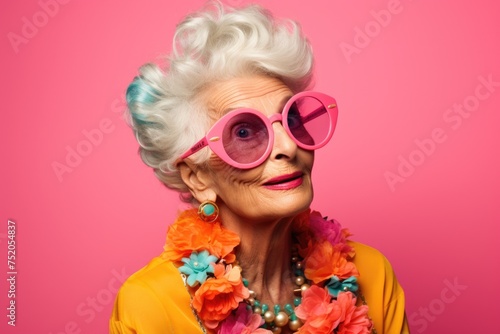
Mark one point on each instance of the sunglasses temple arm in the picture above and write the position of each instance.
(316, 113)
(195, 148)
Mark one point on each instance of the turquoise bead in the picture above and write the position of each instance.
(297, 301)
(277, 309)
(256, 303)
(293, 317)
(265, 308)
(245, 282)
(288, 309)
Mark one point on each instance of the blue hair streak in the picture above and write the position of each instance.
(139, 92)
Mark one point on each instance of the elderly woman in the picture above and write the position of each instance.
(232, 126)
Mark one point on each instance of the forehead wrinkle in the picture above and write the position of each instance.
(250, 91)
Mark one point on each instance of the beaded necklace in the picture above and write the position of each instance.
(277, 316)
(326, 293)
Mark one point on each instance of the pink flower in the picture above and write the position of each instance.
(319, 314)
(243, 321)
(330, 230)
(327, 229)
(354, 318)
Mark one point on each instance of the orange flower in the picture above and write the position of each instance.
(189, 233)
(354, 318)
(326, 260)
(217, 297)
(320, 315)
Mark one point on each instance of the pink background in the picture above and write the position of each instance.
(80, 232)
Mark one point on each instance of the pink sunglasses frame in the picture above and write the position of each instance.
(213, 138)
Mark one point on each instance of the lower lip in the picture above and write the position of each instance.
(286, 185)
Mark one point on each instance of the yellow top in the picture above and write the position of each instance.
(155, 301)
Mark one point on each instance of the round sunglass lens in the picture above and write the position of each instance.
(308, 121)
(245, 138)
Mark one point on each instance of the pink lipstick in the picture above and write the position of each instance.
(285, 182)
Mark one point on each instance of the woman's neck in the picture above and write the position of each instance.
(265, 254)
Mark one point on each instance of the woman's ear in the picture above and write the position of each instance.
(198, 181)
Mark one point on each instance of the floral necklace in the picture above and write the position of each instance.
(204, 254)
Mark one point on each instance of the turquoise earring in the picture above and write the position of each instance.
(208, 211)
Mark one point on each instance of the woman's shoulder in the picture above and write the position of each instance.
(159, 279)
(369, 259)
(157, 270)
(366, 253)
(381, 289)
(152, 300)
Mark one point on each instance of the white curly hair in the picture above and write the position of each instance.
(217, 43)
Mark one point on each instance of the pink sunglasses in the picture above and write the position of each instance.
(244, 137)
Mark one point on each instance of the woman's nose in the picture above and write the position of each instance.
(284, 146)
